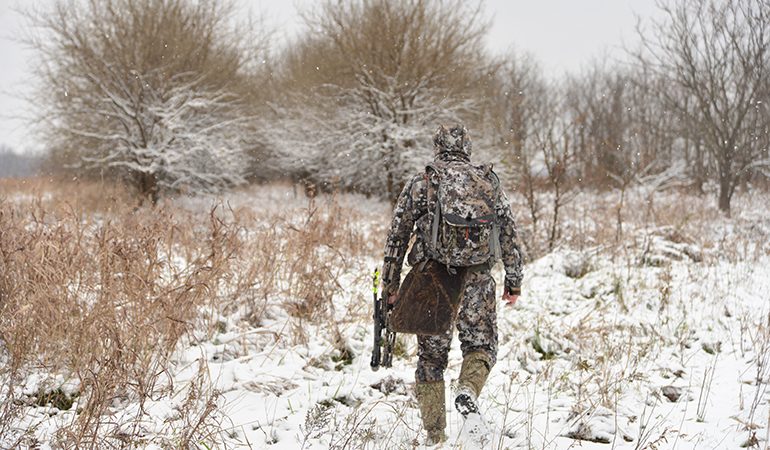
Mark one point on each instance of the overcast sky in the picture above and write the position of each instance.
(562, 35)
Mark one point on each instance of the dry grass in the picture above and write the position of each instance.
(98, 293)
(54, 195)
(591, 350)
(103, 295)
(598, 220)
(103, 302)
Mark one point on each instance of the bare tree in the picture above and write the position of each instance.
(518, 103)
(718, 54)
(558, 122)
(545, 156)
(651, 130)
(518, 89)
(143, 90)
(383, 72)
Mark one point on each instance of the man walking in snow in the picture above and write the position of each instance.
(441, 200)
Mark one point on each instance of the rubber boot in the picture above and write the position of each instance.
(473, 376)
(431, 397)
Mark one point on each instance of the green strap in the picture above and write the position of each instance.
(481, 267)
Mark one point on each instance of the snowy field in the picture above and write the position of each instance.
(658, 341)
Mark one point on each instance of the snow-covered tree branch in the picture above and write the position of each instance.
(144, 91)
(387, 73)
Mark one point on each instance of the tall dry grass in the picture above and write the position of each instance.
(617, 222)
(103, 302)
(591, 349)
(100, 292)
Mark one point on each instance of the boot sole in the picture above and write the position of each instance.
(465, 405)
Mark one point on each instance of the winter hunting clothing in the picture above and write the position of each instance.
(477, 330)
(432, 399)
(414, 211)
(413, 222)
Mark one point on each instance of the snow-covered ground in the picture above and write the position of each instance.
(655, 345)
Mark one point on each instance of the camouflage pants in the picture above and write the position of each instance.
(476, 326)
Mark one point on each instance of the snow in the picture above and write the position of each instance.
(655, 349)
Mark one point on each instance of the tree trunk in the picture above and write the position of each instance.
(149, 188)
(725, 184)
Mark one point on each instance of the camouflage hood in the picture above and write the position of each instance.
(452, 141)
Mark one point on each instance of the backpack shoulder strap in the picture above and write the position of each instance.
(497, 251)
(495, 181)
(433, 191)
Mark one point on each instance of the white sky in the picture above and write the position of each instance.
(563, 35)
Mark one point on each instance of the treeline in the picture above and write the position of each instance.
(178, 95)
(13, 164)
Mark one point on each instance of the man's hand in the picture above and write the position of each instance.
(510, 299)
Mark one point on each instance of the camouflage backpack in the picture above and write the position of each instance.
(464, 230)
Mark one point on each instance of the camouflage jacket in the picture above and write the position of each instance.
(411, 223)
